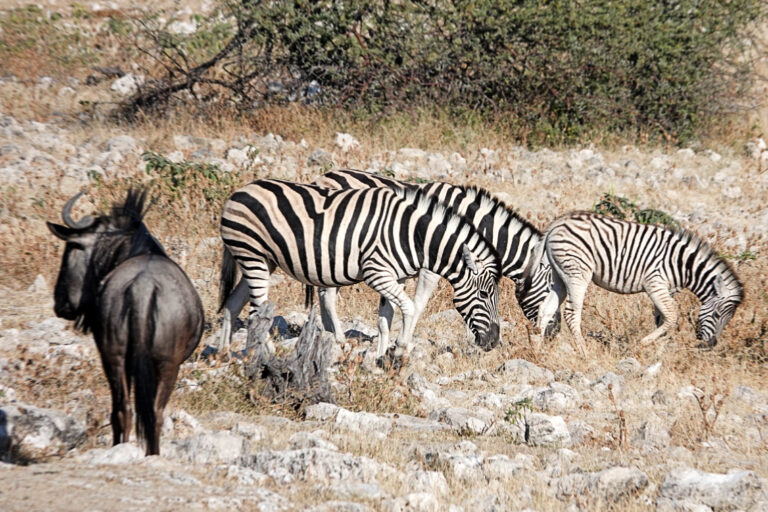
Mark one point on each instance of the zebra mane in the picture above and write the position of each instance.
(501, 209)
(455, 222)
(726, 269)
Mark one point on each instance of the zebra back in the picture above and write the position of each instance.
(511, 235)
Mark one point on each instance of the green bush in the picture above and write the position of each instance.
(623, 208)
(558, 70)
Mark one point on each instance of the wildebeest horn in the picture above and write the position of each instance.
(66, 215)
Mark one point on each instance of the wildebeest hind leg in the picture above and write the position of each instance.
(121, 414)
(165, 385)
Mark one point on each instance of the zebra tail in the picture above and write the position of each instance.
(309, 296)
(228, 277)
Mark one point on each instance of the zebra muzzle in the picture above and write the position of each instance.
(489, 339)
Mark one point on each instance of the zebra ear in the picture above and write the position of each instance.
(469, 259)
(719, 286)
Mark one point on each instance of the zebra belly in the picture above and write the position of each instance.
(617, 286)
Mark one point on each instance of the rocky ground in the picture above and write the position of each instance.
(454, 429)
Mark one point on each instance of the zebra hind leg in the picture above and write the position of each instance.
(232, 307)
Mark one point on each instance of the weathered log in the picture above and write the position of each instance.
(301, 378)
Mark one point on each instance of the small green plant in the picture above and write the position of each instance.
(176, 177)
(417, 180)
(742, 256)
(386, 171)
(517, 410)
(119, 26)
(623, 208)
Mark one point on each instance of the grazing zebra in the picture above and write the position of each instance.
(513, 237)
(381, 236)
(628, 257)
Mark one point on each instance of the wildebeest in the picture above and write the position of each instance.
(146, 317)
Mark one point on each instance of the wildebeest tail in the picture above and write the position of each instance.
(228, 276)
(309, 296)
(142, 332)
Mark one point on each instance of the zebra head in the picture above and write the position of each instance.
(718, 309)
(476, 295)
(532, 296)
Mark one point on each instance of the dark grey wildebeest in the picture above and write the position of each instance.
(146, 317)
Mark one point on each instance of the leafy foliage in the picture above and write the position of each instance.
(175, 178)
(622, 208)
(556, 70)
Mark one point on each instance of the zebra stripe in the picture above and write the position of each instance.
(381, 236)
(628, 257)
(513, 237)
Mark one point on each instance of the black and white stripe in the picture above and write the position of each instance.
(628, 257)
(512, 236)
(381, 236)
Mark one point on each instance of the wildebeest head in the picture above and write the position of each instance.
(94, 246)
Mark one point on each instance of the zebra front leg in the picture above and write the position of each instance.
(425, 286)
(574, 304)
(232, 307)
(548, 308)
(391, 289)
(664, 309)
(330, 317)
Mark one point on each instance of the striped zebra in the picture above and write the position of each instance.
(380, 236)
(513, 237)
(628, 257)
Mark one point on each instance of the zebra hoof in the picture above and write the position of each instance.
(393, 360)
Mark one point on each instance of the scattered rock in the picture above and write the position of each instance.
(652, 434)
(524, 372)
(28, 433)
(362, 422)
(208, 447)
(543, 430)
(629, 366)
(466, 421)
(321, 412)
(128, 84)
(433, 482)
(608, 485)
(123, 453)
(413, 502)
(303, 440)
(734, 490)
(346, 142)
(38, 285)
(320, 158)
(317, 464)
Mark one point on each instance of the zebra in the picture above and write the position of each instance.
(512, 236)
(379, 236)
(629, 257)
